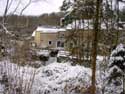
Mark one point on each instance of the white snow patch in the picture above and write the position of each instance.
(119, 48)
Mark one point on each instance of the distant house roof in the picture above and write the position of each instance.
(79, 24)
(48, 30)
(88, 24)
(33, 34)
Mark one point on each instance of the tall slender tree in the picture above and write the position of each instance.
(95, 43)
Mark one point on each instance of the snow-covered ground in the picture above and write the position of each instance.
(54, 78)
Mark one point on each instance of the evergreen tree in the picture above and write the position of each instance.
(77, 10)
(117, 66)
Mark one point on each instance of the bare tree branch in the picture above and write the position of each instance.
(6, 10)
(16, 7)
(25, 7)
(10, 4)
(4, 28)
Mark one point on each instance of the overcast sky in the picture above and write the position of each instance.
(44, 7)
(37, 8)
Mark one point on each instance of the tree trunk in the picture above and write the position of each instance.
(94, 46)
(124, 83)
(117, 21)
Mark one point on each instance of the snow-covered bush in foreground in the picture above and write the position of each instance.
(61, 79)
(56, 78)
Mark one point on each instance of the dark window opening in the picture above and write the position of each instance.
(50, 42)
(60, 44)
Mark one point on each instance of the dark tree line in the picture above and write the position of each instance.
(24, 25)
(16, 21)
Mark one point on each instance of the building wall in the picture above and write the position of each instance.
(46, 38)
(62, 38)
(42, 39)
(37, 38)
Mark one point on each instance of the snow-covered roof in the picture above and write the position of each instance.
(33, 34)
(88, 24)
(80, 25)
(48, 30)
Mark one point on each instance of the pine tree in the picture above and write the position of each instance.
(117, 66)
(77, 10)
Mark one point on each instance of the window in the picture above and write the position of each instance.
(50, 42)
(60, 44)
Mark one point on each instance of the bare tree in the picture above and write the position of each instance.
(9, 11)
(14, 76)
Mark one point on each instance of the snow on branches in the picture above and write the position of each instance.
(117, 59)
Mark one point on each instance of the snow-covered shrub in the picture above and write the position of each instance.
(56, 78)
(61, 78)
(117, 68)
